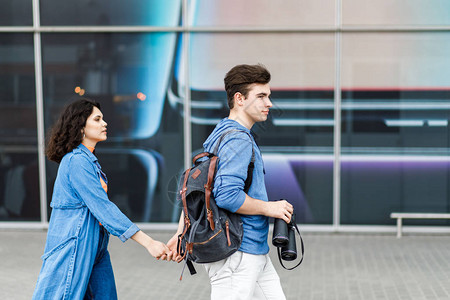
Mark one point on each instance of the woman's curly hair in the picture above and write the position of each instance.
(67, 134)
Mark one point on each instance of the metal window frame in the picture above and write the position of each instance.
(40, 114)
(337, 122)
(227, 29)
(186, 30)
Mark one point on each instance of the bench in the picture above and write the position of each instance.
(401, 216)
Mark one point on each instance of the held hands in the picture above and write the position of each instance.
(159, 250)
(280, 209)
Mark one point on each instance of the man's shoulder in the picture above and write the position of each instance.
(237, 134)
(236, 139)
(236, 145)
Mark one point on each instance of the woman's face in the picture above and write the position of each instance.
(95, 129)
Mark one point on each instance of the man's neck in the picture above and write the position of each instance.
(236, 116)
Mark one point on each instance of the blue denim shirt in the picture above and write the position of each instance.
(235, 152)
(79, 203)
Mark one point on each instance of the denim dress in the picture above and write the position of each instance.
(75, 257)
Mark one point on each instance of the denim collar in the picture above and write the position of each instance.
(91, 156)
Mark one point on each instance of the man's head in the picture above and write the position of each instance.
(241, 77)
(248, 93)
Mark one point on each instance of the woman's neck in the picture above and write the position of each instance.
(88, 146)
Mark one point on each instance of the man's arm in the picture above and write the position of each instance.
(173, 242)
(276, 209)
(235, 153)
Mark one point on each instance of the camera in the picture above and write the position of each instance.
(284, 238)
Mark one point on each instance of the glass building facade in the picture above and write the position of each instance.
(361, 94)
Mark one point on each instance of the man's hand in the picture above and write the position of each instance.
(280, 209)
(172, 244)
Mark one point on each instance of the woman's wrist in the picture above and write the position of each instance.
(142, 238)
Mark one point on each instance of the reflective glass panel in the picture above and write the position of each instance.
(395, 134)
(128, 74)
(17, 89)
(110, 13)
(297, 140)
(16, 13)
(395, 12)
(19, 184)
(261, 13)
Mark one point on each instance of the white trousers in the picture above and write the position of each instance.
(244, 276)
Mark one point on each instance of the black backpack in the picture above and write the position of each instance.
(210, 233)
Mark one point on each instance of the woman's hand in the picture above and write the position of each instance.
(159, 250)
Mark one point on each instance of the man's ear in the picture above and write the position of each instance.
(238, 98)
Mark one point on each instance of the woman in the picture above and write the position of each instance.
(76, 262)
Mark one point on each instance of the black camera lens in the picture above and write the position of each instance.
(289, 252)
(280, 233)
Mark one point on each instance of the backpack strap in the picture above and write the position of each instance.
(183, 191)
(208, 190)
(248, 181)
(302, 249)
(187, 221)
(251, 165)
(200, 155)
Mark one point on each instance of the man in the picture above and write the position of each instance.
(248, 273)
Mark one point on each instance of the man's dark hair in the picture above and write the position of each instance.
(66, 134)
(240, 77)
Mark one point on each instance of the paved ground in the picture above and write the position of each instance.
(336, 266)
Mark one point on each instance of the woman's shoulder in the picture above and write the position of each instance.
(76, 157)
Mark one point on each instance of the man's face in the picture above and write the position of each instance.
(257, 104)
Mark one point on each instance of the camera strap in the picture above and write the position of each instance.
(302, 250)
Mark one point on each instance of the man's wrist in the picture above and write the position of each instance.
(265, 210)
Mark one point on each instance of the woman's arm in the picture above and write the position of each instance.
(86, 183)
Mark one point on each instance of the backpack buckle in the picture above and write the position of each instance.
(189, 247)
(187, 221)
